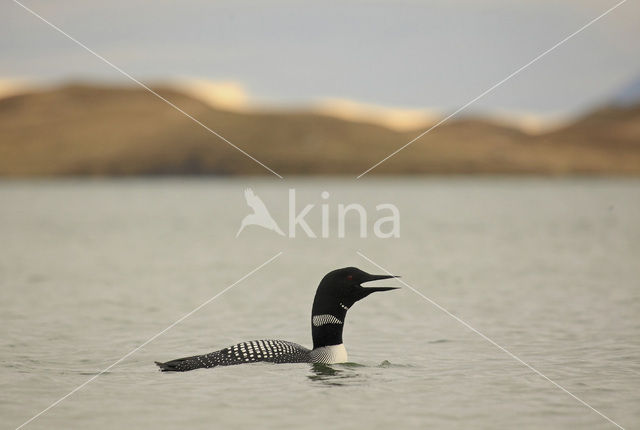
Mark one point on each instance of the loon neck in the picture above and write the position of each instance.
(327, 323)
(330, 354)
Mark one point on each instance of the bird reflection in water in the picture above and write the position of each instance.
(335, 374)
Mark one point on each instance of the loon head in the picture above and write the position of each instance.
(345, 286)
(337, 292)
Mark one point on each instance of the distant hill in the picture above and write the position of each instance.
(628, 95)
(98, 131)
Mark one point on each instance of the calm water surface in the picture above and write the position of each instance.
(549, 269)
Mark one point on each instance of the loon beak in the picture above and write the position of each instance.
(370, 278)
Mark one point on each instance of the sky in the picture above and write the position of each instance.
(421, 55)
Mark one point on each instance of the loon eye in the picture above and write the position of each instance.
(350, 277)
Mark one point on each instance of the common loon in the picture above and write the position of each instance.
(337, 292)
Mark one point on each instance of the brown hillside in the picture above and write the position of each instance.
(84, 130)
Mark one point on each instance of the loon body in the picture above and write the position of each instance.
(337, 292)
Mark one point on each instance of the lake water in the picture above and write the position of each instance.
(549, 269)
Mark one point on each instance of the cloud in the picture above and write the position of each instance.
(529, 122)
(227, 95)
(233, 95)
(393, 117)
(405, 119)
(12, 86)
